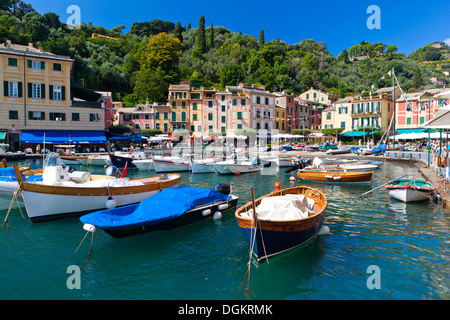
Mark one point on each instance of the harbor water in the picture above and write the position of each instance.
(404, 247)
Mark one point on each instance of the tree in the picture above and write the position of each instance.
(177, 32)
(201, 37)
(158, 68)
(262, 41)
(310, 62)
(344, 56)
(417, 79)
(211, 37)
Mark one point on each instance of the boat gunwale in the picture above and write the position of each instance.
(266, 224)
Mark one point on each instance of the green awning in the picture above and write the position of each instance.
(2, 135)
(358, 133)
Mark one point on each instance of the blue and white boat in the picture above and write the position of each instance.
(171, 208)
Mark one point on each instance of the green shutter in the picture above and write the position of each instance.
(63, 93)
(51, 116)
(42, 65)
(5, 88)
(42, 115)
(30, 64)
(63, 117)
(50, 91)
(42, 91)
(30, 115)
(30, 89)
(19, 86)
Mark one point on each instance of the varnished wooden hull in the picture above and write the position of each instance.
(335, 177)
(275, 237)
(49, 202)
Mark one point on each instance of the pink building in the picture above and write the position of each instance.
(139, 118)
(107, 106)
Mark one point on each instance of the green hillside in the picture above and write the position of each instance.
(139, 65)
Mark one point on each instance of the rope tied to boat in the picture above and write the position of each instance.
(14, 198)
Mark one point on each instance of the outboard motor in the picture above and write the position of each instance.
(222, 188)
(299, 165)
(112, 171)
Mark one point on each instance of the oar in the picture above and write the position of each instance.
(383, 185)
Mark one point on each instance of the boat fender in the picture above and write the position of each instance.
(329, 177)
(337, 178)
(324, 230)
(292, 178)
(223, 206)
(217, 215)
(110, 203)
(206, 212)
(89, 227)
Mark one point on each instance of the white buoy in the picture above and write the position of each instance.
(206, 212)
(217, 215)
(324, 230)
(89, 227)
(110, 203)
(223, 206)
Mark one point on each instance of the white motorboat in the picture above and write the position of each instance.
(170, 164)
(96, 160)
(61, 194)
(245, 167)
(144, 164)
(222, 166)
(202, 166)
(410, 190)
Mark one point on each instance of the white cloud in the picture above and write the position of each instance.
(447, 41)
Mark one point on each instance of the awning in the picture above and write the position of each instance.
(358, 133)
(2, 135)
(441, 120)
(63, 137)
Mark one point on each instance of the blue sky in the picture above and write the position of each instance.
(340, 23)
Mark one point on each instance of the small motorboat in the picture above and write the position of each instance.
(339, 151)
(335, 177)
(202, 165)
(285, 219)
(171, 208)
(245, 167)
(170, 164)
(410, 190)
(61, 193)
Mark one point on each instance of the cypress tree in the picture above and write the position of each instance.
(201, 37)
(211, 37)
(261, 38)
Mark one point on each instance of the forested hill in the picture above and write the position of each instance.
(139, 65)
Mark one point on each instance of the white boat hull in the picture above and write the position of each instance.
(222, 167)
(285, 163)
(243, 168)
(409, 195)
(170, 165)
(42, 206)
(202, 167)
(144, 164)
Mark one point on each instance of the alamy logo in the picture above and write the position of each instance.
(374, 21)
(74, 20)
(74, 280)
(374, 281)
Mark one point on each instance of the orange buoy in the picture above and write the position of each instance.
(277, 186)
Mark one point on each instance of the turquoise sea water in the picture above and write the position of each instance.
(409, 243)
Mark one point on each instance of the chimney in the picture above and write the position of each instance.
(8, 43)
(30, 44)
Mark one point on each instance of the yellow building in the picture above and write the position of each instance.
(179, 96)
(318, 96)
(328, 116)
(343, 114)
(280, 119)
(37, 94)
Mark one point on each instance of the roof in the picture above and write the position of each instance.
(30, 51)
(254, 91)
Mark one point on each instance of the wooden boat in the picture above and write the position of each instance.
(335, 177)
(344, 167)
(171, 208)
(8, 179)
(273, 237)
(245, 167)
(73, 160)
(61, 194)
(410, 190)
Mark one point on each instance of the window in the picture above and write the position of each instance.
(210, 104)
(75, 116)
(157, 116)
(183, 116)
(194, 106)
(223, 108)
(147, 126)
(166, 127)
(93, 117)
(38, 65)
(174, 116)
(194, 117)
(13, 114)
(37, 91)
(57, 93)
(408, 120)
(157, 126)
(56, 116)
(210, 128)
(239, 115)
(409, 106)
(183, 104)
(267, 100)
(57, 67)
(136, 125)
(307, 96)
(342, 124)
(166, 115)
(223, 119)
(195, 95)
(258, 100)
(174, 104)
(147, 117)
(210, 116)
(242, 102)
(127, 117)
(13, 89)
(328, 115)
(12, 62)
(36, 115)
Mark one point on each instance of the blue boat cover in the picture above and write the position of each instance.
(168, 204)
(8, 175)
